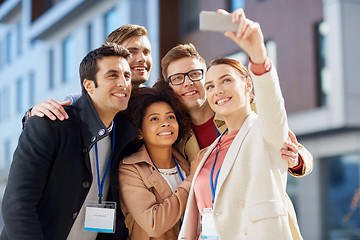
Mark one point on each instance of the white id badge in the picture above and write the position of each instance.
(100, 217)
(208, 229)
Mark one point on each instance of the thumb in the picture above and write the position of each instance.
(230, 35)
(65, 103)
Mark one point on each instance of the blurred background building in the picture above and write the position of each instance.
(313, 44)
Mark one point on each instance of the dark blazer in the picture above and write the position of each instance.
(50, 175)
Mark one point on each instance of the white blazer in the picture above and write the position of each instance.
(250, 198)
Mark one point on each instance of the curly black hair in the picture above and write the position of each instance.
(142, 98)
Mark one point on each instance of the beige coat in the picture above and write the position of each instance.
(151, 209)
(250, 200)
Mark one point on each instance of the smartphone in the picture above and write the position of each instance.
(216, 22)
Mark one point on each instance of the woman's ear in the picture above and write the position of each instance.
(140, 134)
(89, 85)
(248, 83)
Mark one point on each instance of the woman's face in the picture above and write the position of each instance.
(227, 91)
(159, 125)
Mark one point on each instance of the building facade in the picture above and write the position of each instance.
(313, 44)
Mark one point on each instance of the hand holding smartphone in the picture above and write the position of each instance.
(216, 22)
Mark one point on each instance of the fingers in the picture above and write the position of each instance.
(292, 147)
(52, 109)
(293, 137)
(292, 162)
(290, 154)
(222, 11)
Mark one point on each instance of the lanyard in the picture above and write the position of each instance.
(177, 166)
(217, 131)
(212, 185)
(101, 183)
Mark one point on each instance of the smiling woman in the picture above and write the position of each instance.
(238, 191)
(155, 181)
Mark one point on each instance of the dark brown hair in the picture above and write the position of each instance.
(143, 97)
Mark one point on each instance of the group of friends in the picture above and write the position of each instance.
(193, 157)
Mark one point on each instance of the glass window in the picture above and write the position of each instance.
(19, 40)
(8, 152)
(1, 54)
(9, 42)
(68, 59)
(323, 72)
(1, 107)
(20, 95)
(5, 99)
(51, 69)
(235, 4)
(89, 39)
(32, 88)
(341, 178)
(111, 22)
(272, 51)
(139, 10)
(189, 16)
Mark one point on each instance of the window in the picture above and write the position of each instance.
(89, 38)
(20, 95)
(239, 56)
(51, 69)
(272, 51)
(189, 16)
(341, 186)
(68, 59)
(235, 4)
(5, 99)
(139, 10)
(1, 107)
(32, 88)
(2, 62)
(8, 152)
(19, 40)
(9, 41)
(111, 22)
(323, 72)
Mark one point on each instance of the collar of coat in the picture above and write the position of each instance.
(93, 129)
(143, 156)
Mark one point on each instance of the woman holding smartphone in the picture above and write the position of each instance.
(238, 190)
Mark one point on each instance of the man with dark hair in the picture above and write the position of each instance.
(63, 171)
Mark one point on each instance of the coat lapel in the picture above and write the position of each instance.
(234, 150)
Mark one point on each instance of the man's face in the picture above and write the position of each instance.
(140, 60)
(114, 85)
(192, 93)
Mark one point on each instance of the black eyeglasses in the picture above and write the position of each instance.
(193, 75)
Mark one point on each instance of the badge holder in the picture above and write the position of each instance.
(208, 229)
(100, 217)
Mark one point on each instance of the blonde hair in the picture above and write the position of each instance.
(125, 32)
